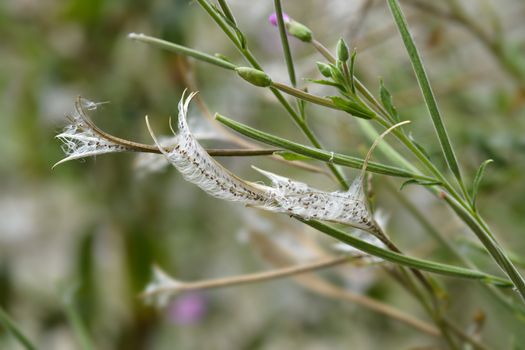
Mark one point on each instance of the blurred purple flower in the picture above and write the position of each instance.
(273, 19)
(187, 309)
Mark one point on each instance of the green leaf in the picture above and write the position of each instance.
(324, 69)
(400, 259)
(241, 38)
(182, 50)
(477, 182)
(336, 74)
(426, 90)
(353, 107)
(386, 100)
(226, 10)
(419, 182)
(326, 82)
(352, 68)
(292, 156)
(14, 329)
(316, 153)
(77, 323)
(419, 146)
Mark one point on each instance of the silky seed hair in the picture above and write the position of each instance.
(299, 199)
(197, 167)
(349, 207)
(81, 138)
(285, 196)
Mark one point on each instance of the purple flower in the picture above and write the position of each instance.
(273, 19)
(187, 309)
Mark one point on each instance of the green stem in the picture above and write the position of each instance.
(303, 95)
(404, 260)
(182, 50)
(475, 222)
(486, 238)
(227, 12)
(316, 153)
(284, 42)
(426, 90)
(12, 327)
(407, 282)
(301, 123)
(393, 155)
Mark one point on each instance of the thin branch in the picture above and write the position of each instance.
(178, 286)
(189, 81)
(277, 256)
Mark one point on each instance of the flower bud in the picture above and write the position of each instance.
(298, 30)
(342, 51)
(273, 19)
(254, 76)
(324, 69)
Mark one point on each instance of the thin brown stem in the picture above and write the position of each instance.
(277, 256)
(253, 277)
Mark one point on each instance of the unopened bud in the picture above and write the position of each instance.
(324, 69)
(254, 76)
(273, 19)
(342, 51)
(298, 30)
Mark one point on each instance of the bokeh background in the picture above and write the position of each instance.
(83, 237)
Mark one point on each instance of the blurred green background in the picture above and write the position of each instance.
(97, 226)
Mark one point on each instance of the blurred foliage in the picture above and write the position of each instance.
(101, 225)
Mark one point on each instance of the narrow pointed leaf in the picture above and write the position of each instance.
(396, 258)
(315, 153)
(419, 146)
(326, 82)
(426, 90)
(477, 181)
(352, 68)
(386, 100)
(419, 182)
(182, 50)
(292, 156)
(13, 328)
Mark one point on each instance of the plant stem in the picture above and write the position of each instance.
(427, 92)
(304, 95)
(391, 154)
(319, 154)
(295, 116)
(12, 327)
(282, 257)
(284, 42)
(182, 50)
(178, 286)
(227, 12)
(492, 246)
(404, 260)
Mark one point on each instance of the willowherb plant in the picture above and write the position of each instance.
(349, 206)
